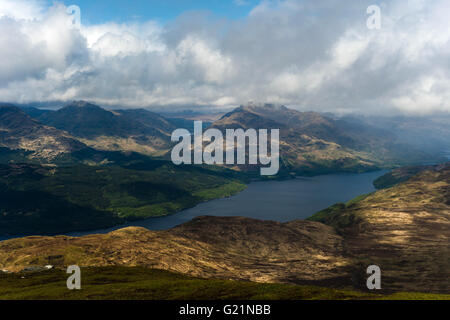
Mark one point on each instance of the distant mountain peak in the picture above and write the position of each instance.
(13, 117)
(137, 130)
(263, 106)
(82, 104)
(312, 142)
(83, 107)
(20, 131)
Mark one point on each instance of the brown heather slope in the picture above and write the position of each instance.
(231, 248)
(404, 229)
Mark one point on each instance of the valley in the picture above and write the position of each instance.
(113, 166)
(408, 238)
(224, 150)
(84, 171)
(279, 200)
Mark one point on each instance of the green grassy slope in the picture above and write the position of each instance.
(85, 197)
(335, 214)
(140, 283)
(397, 176)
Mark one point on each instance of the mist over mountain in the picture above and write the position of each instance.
(313, 142)
(429, 133)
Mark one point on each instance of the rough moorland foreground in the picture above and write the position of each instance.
(139, 283)
(404, 229)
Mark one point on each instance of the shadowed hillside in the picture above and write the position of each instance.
(404, 229)
(312, 143)
(127, 130)
(20, 131)
(83, 197)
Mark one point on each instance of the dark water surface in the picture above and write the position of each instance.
(271, 200)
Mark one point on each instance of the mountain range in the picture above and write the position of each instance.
(310, 143)
(126, 130)
(19, 131)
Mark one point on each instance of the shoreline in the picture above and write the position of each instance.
(140, 222)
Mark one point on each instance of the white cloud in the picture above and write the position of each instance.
(307, 54)
(113, 39)
(22, 9)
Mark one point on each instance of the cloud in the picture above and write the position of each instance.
(22, 9)
(306, 54)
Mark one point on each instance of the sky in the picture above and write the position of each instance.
(102, 11)
(217, 54)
